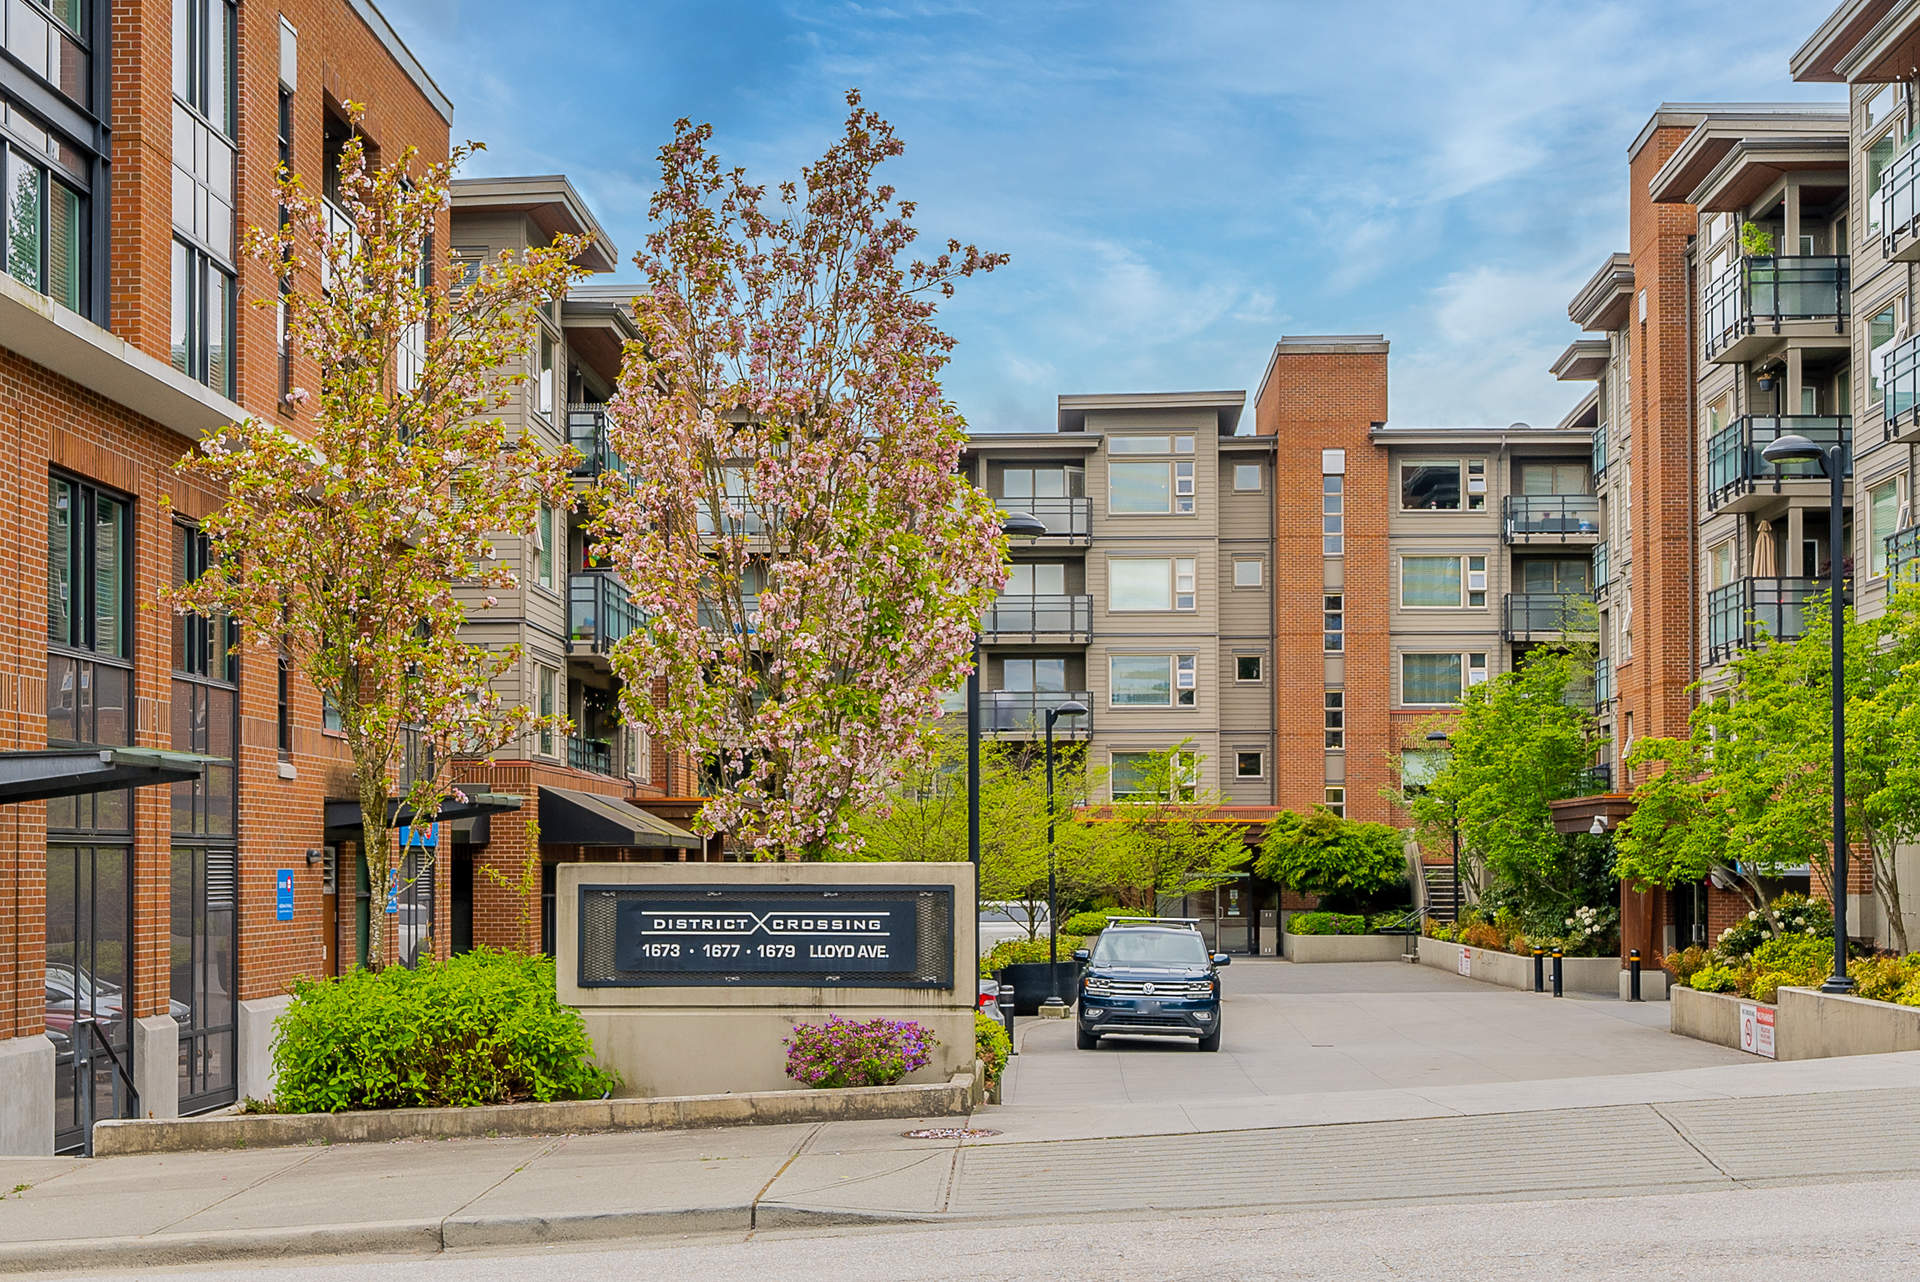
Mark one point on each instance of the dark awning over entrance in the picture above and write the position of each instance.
(572, 818)
(343, 817)
(70, 772)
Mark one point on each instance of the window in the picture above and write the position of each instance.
(1150, 583)
(202, 647)
(1247, 478)
(330, 715)
(89, 564)
(1150, 445)
(544, 377)
(1043, 483)
(1720, 564)
(1249, 765)
(1879, 338)
(1332, 516)
(1477, 582)
(1551, 577)
(1476, 485)
(44, 246)
(1247, 667)
(1155, 775)
(1883, 514)
(203, 166)
(1430, 487)
(1430, 582)
(1336, 719)
(1153, 680)
(1034, 578)
(543, 547)
(410, 352)
(202, 332)
(1476, 669)
(283, 715)
(1038, 676)
(546, 683)
(1248, 572)
(1336, 799)
(1150, 488)
(1336, 623)
(1430, 680)
(1553, 478)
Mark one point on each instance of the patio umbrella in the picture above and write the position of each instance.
(1766, 563)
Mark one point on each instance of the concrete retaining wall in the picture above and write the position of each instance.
(1653, 984)
(26, 1096)
(1577, 975)
(1344, 948)
(270, 1130)
(1708, 1017)
(1808, 1024)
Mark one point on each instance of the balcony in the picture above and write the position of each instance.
(1596, 781)
(1602, 682)
(1552, 518)
(1057, 619)
(1548, 616)
(593, 755)
(1599, 451)
(1746, 309)
(1602, 580)
(599, 612)
(714, 619)
(1903, 554)
(1742, 613)
(1022, 714)
(1900, 392)
(1900, 207)
(1736, 470)
(1070, 519)
(587, 433)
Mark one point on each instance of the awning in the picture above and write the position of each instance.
(70, 772)
(570, 818)
(343, 816)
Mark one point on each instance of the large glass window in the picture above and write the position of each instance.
(1879, 341)
(89, 983)
(1430, 680)
(1554, 576)
(1031, 676)
(202, 324)
(202, 977)
(1883, 514)
(89, 569)
(50, 38)
(1150, 583)
(1154, 680)
(203, 168)
(1142, 774)
(1430, 582)
(45, 234)
(1140, 488)
(1430, 486)
(1043, 483)
(1034, 578)
(1553, 478)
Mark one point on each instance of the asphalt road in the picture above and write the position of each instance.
(1835, 1232)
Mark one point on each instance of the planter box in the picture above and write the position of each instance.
(1033, 984)
(1577, 974)
(1710, 1017)
(1807, 1023)
(1344, 948)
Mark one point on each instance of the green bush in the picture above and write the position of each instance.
(1682, 965)
(991, 1045)
(1884, 978)
(1715, 979)
(1393, 919)
(1807, 956)
(1321, 853)
(1766, 985)
(485, 1027)
(1797, 915)
(1012, 952)
(1326, 924)
(1091, 923)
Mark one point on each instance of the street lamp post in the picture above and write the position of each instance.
(1833, 458)
(1071, 708)
(1453, 816)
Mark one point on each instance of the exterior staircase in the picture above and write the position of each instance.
(1439, 893)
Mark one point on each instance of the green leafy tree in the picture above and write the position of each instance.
(1321, 853)
(1164, 835)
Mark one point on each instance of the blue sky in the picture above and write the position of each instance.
(1178, 184)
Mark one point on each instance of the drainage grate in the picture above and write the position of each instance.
(949, 1133)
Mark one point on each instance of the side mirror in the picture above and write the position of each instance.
(1221, 959)
(1082, 955)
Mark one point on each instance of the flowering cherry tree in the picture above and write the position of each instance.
(792, 522)
(342, 538)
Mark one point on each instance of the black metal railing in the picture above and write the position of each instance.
(1602, 571)
(1903, 554)
(1064, 517)
(1012, 617)
(87, 1037)
(1595, 780)
(1602, 681)
(1900, 199)
(1024, 712)
(1769, 290)
(1735, 464)
(599, 610)
(595, 755)
(1551, 516)
(1900, 387)
(1741, 613)
(1532, 616)
(587, 433)
(1599, 451)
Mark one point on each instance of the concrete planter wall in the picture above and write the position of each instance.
(1344, 948)
(1808, 1024)
(1577, 974)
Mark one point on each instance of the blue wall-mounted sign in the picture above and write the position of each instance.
(283, 895)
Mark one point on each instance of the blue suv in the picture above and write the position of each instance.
(1149, 975)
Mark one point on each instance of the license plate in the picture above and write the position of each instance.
(1148, 1008)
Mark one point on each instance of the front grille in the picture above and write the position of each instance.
(1139, 988)
(1128, 1020)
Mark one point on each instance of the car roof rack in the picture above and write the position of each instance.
(1184, 923)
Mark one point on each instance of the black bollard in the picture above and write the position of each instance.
(1633, 974)
(1539, 970)
(1006, 1013)
(1556, 972)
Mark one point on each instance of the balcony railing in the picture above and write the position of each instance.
(587, 433)
(714, 619)
(1740, 613)
(1900, 201)
(599, 610)
(1903, 554)
(1024, 712)
(1595, 780)
(1064, 517)
(1602, 682)
(1599, 451)
(1032, 617)
(1735, 464)
(1602, 571)
(1900, 388)
(1766, 291)
(595, 755)
(1550, 517)
(1545, 616)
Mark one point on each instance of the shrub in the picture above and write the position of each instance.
(1795, 955)
(1713, 978)
(485, 1027)
(1393, 919)
(1681, 966)
(1797, 915)
(991, 1045)
(1883, 978)
(1326, 924)
(1765, 986)
(1324, 854)
(1085, 923)
(1014, 951)
(842, 1052)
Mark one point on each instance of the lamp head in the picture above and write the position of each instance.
(1438, 736)
(1599, 828)
(1791, 449)
(1022, 525)
(1071, 708)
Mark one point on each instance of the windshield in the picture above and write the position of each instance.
(1151, 948)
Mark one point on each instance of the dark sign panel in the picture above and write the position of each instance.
(881, 936)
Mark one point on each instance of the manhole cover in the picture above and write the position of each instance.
(949, 1133)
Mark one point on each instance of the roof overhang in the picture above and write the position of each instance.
(550, 201)
(38, 775)
(1517, 437)
(1584, 360)
(1603, 302)
(1016, 443)
(1722, 128)
(1753, 166)
(598, 330)
(1890, 51)
(343, 815)
(571, 818)
(1819, 60)
(1584, 417)
(1226, 406)
(1575, 815)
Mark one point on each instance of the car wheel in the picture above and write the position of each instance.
(1083, 1040)
(1211, 1042)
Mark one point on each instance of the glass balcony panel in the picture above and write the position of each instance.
(1550, 516)
(1033, 616)
(600, 611)
(1736, 461)
(1024, 713)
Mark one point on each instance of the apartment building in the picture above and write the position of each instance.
(1149, 599)
(158, 905)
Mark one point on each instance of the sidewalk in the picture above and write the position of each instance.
(1700, 1128)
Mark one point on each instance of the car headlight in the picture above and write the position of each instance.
(1095, 984)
